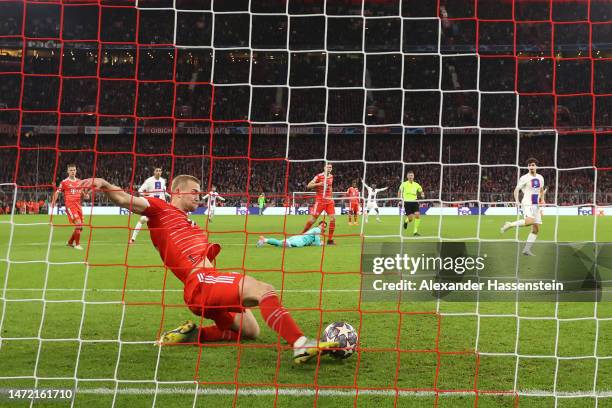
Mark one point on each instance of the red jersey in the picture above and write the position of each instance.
(353, 195)
(181, 244)
(324, 191)
(72, 192)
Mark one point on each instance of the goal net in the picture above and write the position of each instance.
(255, 97)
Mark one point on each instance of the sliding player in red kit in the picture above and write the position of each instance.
(323, 183)
(73, 193)
(221, 297)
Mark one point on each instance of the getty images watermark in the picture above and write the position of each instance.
(458, 265)
(461, 271)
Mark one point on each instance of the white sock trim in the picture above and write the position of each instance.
(300, 342)
(136, 230)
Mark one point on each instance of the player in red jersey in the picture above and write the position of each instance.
(353, 195)
(323, 184)
(73, 193)
(221, 297)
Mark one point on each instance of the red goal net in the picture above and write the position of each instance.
(254, 97)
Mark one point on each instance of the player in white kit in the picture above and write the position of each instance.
(212, 198)
(371, 203)
(154, 186)
(532, 186)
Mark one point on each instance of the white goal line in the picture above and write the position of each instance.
(308, 392)
(157, 290)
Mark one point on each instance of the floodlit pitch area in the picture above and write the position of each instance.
(93, 325)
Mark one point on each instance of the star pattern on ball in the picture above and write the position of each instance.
(344, 329)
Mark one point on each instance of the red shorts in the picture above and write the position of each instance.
(327, 206)
(75, 215)
(214, 295)
(354, 208)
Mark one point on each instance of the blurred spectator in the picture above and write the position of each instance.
(452, 173)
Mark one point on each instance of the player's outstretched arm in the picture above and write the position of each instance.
(365, 185)
(543, 196)
(221, 198)
(116, 194)
(378, 190)
(516, 194)
(206, 200)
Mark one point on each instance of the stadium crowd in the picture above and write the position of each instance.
(452, 172)
(139, 91)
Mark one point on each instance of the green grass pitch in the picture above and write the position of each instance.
(92, 326)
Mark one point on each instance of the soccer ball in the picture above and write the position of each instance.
(345, 335)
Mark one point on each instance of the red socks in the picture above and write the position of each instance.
(332, 228)
(278, 318)
(307, 226)
(275, 315)
(213, 333)
(75, 237)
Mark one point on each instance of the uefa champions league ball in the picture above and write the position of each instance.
(345, 335)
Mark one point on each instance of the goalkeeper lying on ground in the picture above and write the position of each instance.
(312, 237)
